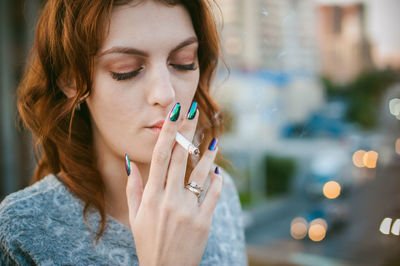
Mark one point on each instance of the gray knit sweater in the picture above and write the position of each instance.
(43, 224)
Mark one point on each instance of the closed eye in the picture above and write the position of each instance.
(191, 66)
(124, 76)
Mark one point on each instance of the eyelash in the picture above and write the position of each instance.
(129, 75)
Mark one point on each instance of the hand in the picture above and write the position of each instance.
(169, 226)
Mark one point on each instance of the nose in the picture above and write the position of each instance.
(159, 89)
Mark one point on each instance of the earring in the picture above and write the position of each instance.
(78, 107)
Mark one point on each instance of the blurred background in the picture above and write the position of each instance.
(312, 108)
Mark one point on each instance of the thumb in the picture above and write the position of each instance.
(134, 188)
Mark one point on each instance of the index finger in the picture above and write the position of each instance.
(162, 150)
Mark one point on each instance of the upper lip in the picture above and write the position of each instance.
(158, 124)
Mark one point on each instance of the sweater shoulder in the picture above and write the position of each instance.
(29, 197)
(46, 184)
(25, 210)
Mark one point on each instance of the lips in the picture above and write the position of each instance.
(157, 124)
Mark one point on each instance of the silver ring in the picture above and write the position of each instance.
(194, 190)
(195, 185)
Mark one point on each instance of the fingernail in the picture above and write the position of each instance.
(217, 170)
(192, 110)
(127, 165)
(175, 112)
(213, 144)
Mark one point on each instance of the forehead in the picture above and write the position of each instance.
(149, 26)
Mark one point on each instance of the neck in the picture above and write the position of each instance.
(112, 169)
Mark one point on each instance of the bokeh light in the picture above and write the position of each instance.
(298, 228)
(394, 106)
(370, 158)
(321, 222)
(331, 189)
(385, 226)
(317, 230)
(358, 158)
(396, 227)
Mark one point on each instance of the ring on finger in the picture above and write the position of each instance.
(194, 185)
(194, 190)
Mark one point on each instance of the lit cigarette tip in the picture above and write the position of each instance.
(195, 151)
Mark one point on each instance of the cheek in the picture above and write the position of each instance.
(110, 100)
(105, 103)
(111, 112)
(187, 87)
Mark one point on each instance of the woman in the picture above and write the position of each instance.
(110, 81)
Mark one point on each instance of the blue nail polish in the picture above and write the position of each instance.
(217, 170)
(213, 144)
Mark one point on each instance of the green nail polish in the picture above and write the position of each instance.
(175, 112)
(192, 110)
(127, 165)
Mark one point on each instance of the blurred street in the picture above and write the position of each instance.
(357, 241)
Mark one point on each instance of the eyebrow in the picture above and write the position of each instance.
(134, 51)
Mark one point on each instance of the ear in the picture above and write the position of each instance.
(67, 84)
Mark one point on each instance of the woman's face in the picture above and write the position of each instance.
(147, 63)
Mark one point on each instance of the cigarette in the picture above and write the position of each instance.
(187, 145)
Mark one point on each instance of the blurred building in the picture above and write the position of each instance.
(337, 38)
(271, 48)
(357, 36)
(384, 32)
(344, 47)
(269, 34)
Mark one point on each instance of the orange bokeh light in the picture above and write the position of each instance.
(370, 159)
(358, 158)
(317, 232)
(331, 189)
